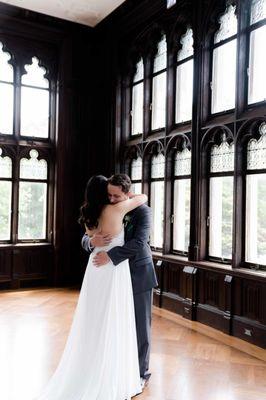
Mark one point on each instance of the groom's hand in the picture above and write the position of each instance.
(101, 258)
(99, 240)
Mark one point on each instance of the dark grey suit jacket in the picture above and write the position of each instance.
(136, 249)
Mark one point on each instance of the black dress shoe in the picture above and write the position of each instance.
(145, 380)
(147, 376)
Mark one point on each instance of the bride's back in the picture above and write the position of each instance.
(110, 221)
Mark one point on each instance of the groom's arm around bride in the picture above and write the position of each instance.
(137, 250)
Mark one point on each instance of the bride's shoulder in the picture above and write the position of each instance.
(107, 208)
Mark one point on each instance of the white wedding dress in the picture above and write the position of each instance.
(100, 359)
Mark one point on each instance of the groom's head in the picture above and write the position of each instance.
(118, 188)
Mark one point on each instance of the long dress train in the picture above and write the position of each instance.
(100, 359)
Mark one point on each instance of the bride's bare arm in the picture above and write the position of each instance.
(134, 201)
(97, 239)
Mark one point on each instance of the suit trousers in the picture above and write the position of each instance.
(143, 306)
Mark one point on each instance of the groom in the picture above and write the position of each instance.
(137, 250)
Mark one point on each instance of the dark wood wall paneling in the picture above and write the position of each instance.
(229, 299)
(225, 300)
(68, 48)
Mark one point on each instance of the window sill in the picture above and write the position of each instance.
(23, 245)
(225, 117)
(169, 257)
(212, 266)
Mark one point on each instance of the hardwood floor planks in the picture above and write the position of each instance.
(189, 361)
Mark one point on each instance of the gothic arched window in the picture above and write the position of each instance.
(158, 105)
(27, 111)
(220, 218)
(33, 179)
(136, 174)
(257, 59)
(223, 82)
(181, 200)
(137, 93)
(184, 79)
(5, 197)
(35, 103)
(255, 236)
(157, 199)
(6, 93)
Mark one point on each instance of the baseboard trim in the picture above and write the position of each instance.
(231, 341)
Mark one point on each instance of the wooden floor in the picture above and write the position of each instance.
(185, 363)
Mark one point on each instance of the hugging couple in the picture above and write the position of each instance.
(106, 356)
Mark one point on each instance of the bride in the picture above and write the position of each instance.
(100, 359)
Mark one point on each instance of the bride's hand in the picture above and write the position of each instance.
(99, 240)
(101, 259)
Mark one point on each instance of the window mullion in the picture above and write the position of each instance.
(15, 199)
(17, 100)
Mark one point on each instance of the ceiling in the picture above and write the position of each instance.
(87, 12)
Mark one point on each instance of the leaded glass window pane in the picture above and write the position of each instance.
(256, 218)
(184, 91)
(35, 75)
(187, 46)
(181, 215)
(160, 59)
(6, 108)
(139, 75)
(32, 211)
(222, 157)
(228, 25)
(136, 169)
(157, 206)
(6, 70)
(257, 64)
(137, 109)
(224, 77)
(258, 11)
(5, 166)
(158, 101)
(256, 151)
(183, 162)
(157, 166)
(34, 112)
(136, 188)
(5, 209)
(33, 168)
(220, 217)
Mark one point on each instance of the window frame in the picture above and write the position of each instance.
(131, 85)
(176, 64)
(213, 47)
(152, 76)
(7, 152)
(250, 134)
(18, 146)
(153, 149)
(203, 126)
(215, 139)
(249, 29)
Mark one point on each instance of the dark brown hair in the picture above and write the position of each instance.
(96, 197)
(121, 180)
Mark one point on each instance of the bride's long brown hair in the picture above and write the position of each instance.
(96, 197)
